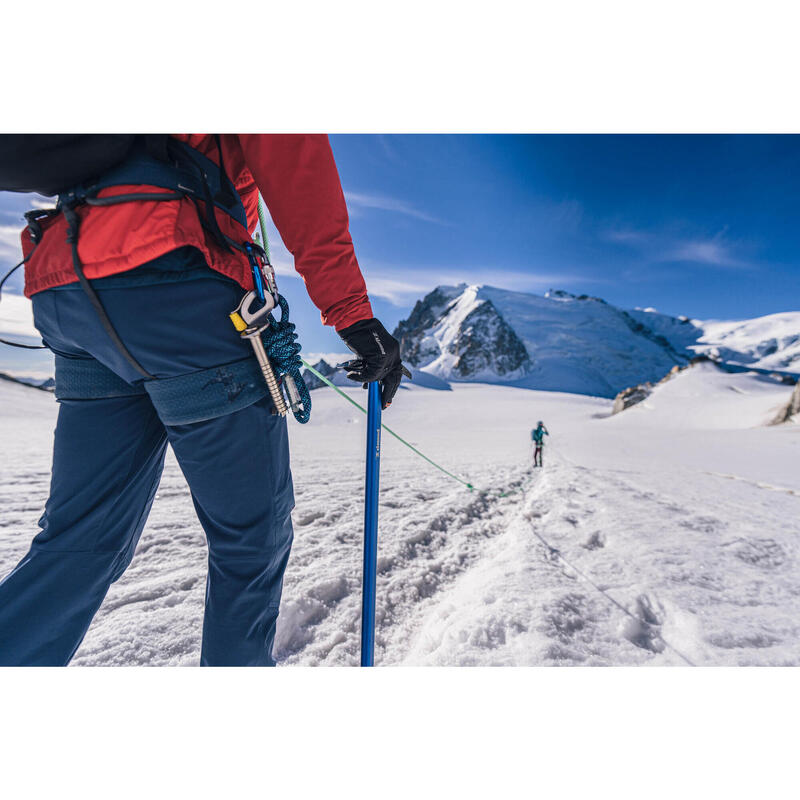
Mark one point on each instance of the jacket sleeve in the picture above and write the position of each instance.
(298, 179)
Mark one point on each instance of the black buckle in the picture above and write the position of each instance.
(74, 197)
(33, 219)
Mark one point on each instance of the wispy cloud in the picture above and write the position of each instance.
(626, 236)
(357, 201)
(398, 291)
(710, 251)
(669, 246)
(389, 150)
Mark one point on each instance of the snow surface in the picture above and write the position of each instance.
(683, 510)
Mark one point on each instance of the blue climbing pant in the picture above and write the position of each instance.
(209, 403)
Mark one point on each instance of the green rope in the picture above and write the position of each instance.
(386, 427)
(262, 223)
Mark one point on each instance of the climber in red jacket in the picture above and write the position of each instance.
(167, 366)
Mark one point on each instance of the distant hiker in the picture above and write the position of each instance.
(132, 280)
(537, 435)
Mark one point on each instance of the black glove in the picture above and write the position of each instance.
(377, 357)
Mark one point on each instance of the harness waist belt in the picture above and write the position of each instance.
(181, 400)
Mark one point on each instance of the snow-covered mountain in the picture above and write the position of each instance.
(771, 342)
(576, 343)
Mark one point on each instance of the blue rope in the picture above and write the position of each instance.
(283, 349)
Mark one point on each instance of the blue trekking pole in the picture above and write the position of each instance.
(371, 525)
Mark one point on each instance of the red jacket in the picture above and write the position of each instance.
(297, 177)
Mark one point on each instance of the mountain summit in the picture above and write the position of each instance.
(453, 333)
(576, 343)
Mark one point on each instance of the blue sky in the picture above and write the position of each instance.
(705, 226)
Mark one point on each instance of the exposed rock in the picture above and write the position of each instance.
(635, 394)
(642, 330)
(789, 380)
(563, 294)
(486, 342)
(632, 395)
(674, 371)
(790, 409)
(415, 347)
(703, 358)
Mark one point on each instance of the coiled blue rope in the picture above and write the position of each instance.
(283, 349)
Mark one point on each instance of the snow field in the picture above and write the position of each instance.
(684, 511)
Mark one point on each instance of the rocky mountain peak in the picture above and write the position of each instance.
(464, 333)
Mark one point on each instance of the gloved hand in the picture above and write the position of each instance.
(377, 357)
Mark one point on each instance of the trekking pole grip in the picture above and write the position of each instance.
(373, 467)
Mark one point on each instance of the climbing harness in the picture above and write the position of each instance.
(162, 162)
(165, 163)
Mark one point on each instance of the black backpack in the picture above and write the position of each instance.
(50, 163)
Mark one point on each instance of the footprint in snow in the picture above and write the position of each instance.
(766, 553)
(729, 640)
(702, 524)
(307, 519)
(644, 628)
(569, 618)
(595, 541)
(296, 623)
(330, 591)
